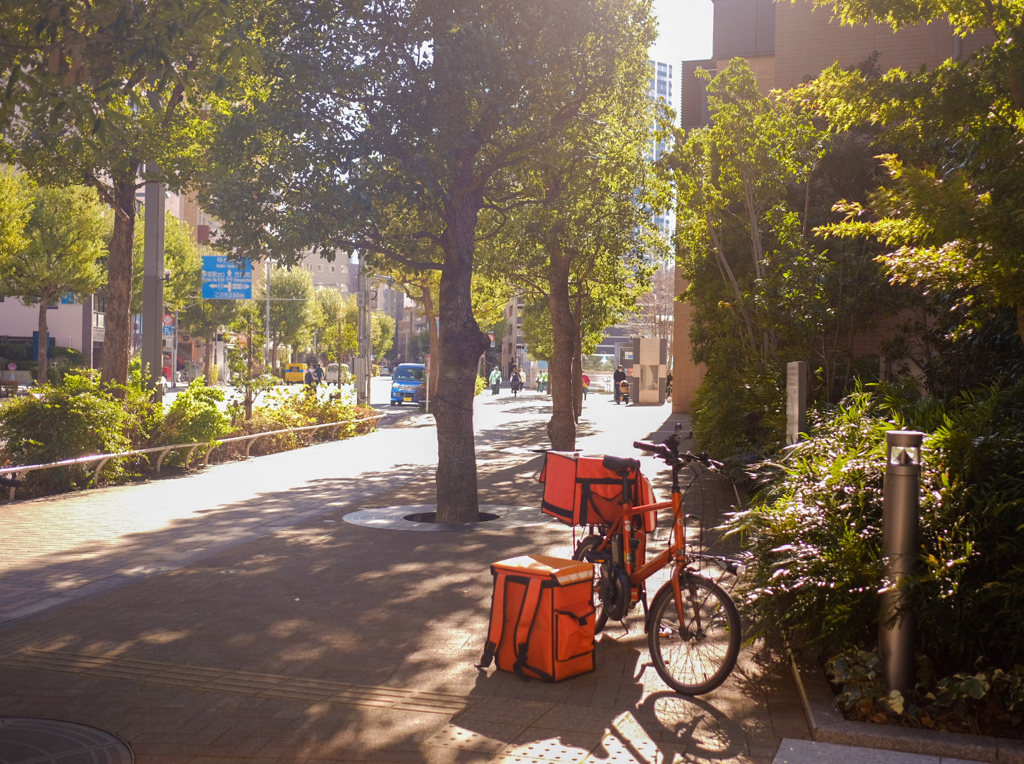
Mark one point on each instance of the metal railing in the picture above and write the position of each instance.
(101, 459)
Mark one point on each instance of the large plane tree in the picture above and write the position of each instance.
(395, 130)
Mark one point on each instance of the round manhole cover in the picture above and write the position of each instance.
(49, 741)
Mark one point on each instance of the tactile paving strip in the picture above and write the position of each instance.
(236, 682)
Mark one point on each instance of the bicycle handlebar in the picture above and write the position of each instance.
(669, 452)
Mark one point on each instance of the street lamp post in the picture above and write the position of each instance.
(900, 510)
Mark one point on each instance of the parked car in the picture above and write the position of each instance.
(294, 372)
(407, 384)
(337, 374)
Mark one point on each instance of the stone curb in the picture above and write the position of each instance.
(828, 726)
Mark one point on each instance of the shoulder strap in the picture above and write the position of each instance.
(527, 615)
(497, 622)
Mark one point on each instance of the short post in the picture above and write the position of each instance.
(796, 400)
(900, 509)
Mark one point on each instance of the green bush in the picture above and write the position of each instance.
(989, 701)
(193, 417)
(64, 361)
(739, 421)
(268, 419)
(14, 351)
(813, 534)
(481, 385)
(79, 417)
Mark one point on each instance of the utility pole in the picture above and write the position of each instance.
(266, 347)
(363, 359)
(153, 288)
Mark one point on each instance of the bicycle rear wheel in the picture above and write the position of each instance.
(696, 656)
(583, 552)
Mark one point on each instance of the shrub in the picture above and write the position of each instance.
(193, 417)
(14, 351)
(268, 419)
(988, 701)
(77, 418)
(739, 421)
(813, 534)
(65, 361)
(481, 385)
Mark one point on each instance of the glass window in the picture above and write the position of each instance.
(410, 374)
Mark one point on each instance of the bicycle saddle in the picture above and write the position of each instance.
(619, 464)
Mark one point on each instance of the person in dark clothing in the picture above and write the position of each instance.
(617, 379)
(318, 374)
(309, 380)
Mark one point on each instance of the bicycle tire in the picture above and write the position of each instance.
(692, 660)
(587, 545)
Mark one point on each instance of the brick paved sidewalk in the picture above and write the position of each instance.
(257, 626)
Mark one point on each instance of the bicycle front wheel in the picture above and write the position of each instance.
(697, 655)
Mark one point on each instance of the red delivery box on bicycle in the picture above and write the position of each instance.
(581, 490)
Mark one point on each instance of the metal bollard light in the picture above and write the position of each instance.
(900, 510)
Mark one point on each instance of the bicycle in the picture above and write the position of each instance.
(693, 626)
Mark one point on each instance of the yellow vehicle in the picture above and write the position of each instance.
(294, 372)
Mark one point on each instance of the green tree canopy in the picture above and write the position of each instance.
(335, 324)
(948, 212)
(764, 290)
(105, 91)
(401, 144)
(15, 206)
(587, 251)
(64, 240)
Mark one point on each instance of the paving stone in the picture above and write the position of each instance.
(227, 619)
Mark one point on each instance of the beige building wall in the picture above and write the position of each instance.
(686, 375)
(763, 68)
(808, 40)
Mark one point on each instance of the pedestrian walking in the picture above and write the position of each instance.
(309, 380)
(318, 375)
(495, 380)
(516, 381)
(586, 386)
(617, 379)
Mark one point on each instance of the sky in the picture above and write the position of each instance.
(684, 32)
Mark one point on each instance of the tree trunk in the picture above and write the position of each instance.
(460, 343)
(117, 346)
(42, 361)
(562, 426)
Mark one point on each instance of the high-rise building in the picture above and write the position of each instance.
(660, 89)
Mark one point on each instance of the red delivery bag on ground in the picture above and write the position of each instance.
(542, 618)
(580, 490)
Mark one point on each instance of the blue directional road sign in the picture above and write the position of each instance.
(224, 280)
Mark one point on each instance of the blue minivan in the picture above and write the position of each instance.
(407, 384)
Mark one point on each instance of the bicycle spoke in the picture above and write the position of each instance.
(697, 655)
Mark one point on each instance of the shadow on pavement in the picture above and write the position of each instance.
(320, 640)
